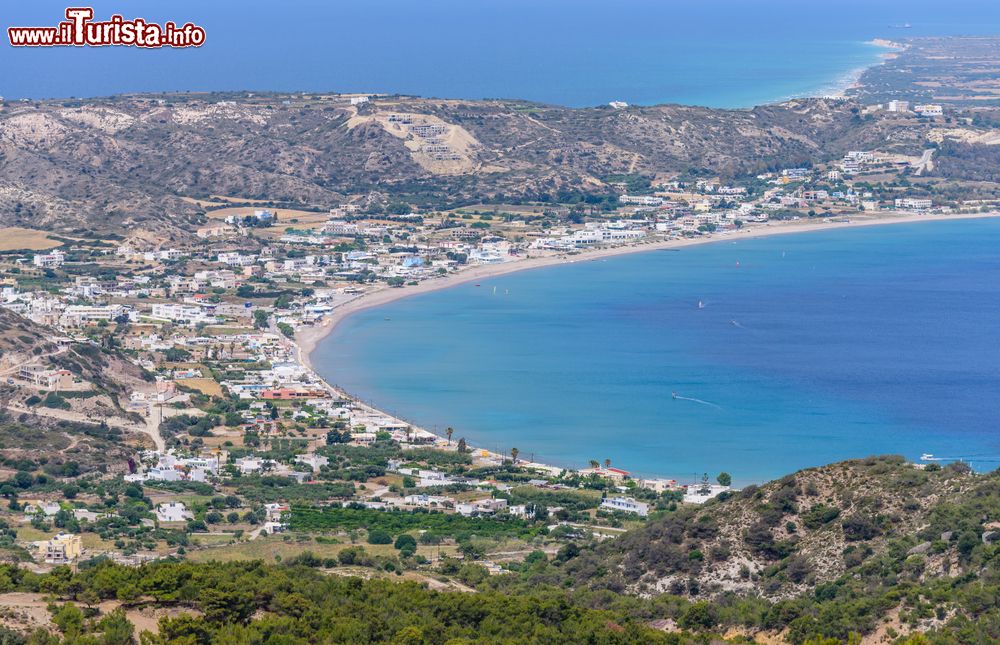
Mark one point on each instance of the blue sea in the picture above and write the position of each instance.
(719, 53)
(809, 348)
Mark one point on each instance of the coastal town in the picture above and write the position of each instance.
(682, 334)
(240, 444)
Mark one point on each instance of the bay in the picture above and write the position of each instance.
(809, 348)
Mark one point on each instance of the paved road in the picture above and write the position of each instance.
(926, 162)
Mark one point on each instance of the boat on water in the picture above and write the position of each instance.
(929, 457)
(673, 395)
(701, 305)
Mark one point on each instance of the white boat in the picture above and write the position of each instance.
(929, 457)
(701, 305)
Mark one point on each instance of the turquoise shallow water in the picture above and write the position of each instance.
(720, 53)
(810, 348)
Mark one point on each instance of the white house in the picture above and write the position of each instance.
(913, 204)
(173, 512)
(700, 494)
(161, 473)
(49, 260)
(928, 110)
(481, 507)
(249, 465)
(315, 462)
(276, 511)
(520, 510)
(427, 500)
(270, 528)
(642, 200)
(181, 313)
(658, 485)
(433, 478)
(47, 509)
(625, 505)
(236, 259)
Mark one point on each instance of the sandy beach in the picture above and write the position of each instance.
(309, 337)
(306, 339)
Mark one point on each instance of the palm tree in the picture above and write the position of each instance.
(513, 454)
(607, 464)
(594, 464)
(450, 431)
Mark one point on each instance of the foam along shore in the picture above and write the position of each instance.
(307, 338)
(839, 87)
(851, 80)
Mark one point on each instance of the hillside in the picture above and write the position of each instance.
(881, 552)
(94, 166)
(807, 529)
(156, 162)
(61, 449)
(103, 378)
(852, 546)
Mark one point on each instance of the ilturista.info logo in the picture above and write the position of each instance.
(81, 30)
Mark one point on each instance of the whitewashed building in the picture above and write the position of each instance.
(173, 512)
(625, 505)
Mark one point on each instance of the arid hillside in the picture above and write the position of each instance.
(138, 162)
(872, 520)
(101, 378)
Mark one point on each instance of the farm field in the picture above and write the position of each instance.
(15, 238)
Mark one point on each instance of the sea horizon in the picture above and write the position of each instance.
(719, 54)
(374, 367)
(834, 85)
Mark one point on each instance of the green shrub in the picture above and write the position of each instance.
(378, 536)
(405, 541)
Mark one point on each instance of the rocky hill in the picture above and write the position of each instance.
(807, 529)
(104, 378)
(139, 161)
(858, 546)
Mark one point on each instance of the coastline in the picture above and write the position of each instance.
(308, 338)
(852, 80)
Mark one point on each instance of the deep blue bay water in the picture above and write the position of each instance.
(810, 348)
(718, 53)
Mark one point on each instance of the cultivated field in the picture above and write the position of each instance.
(204, 385)
(14, 238)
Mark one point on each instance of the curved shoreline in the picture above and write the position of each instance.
(840, 87)
(308, 338)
